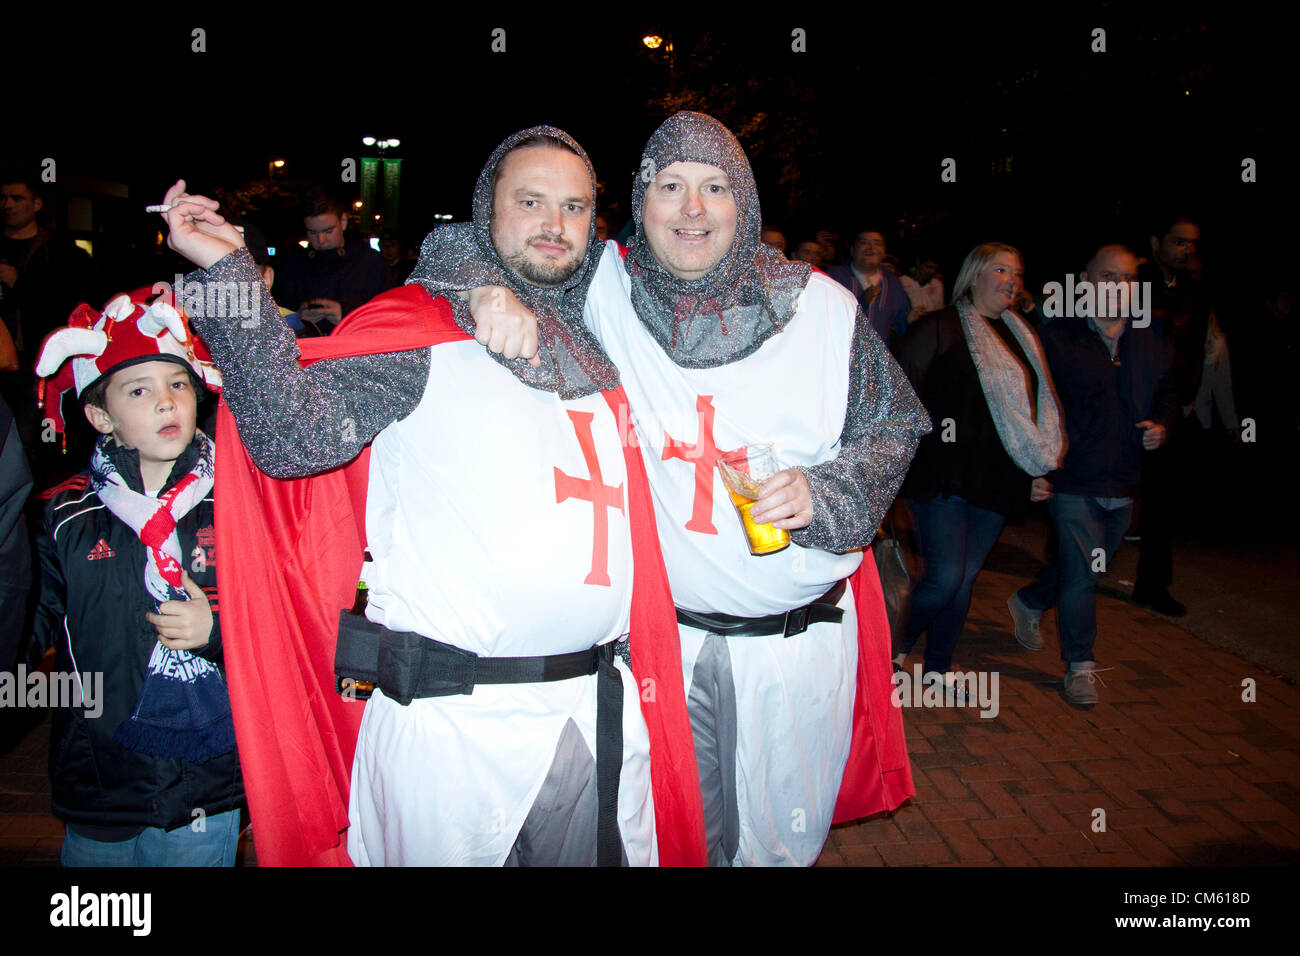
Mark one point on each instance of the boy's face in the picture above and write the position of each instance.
(149, 407)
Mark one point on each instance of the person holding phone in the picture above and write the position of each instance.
(335, 274)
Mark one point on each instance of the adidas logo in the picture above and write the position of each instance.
(101, 550)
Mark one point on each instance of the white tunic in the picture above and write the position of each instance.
(794, 696)
(483, 536)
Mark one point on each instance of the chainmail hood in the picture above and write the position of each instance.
(748, 296)
(463, 256)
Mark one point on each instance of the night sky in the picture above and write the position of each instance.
(1056, 146)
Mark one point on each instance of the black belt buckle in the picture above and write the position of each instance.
(796, 621)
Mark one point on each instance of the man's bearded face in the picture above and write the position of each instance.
(689, 218)
(541, 214)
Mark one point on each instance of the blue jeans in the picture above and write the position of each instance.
(954, 538)
(1082, 527)
(214, 846)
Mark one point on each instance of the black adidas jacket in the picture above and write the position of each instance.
(92, 607)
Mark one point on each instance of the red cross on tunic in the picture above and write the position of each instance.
(591, 489)
(703, 455)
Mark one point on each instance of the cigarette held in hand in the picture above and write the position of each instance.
(165, 208)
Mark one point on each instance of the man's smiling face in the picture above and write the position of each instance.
(689, 218)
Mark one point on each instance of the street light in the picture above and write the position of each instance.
(389, 200)
(664, 46)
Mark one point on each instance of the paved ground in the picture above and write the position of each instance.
(1183, 770)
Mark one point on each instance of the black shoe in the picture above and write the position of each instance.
(1161, 603)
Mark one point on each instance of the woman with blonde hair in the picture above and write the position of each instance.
(979, 370)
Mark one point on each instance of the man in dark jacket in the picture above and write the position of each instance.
(878, 290)
(1116, 391)
(1181, 315)
(335, 275)
(43, 275)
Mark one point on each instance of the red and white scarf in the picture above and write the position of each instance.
(184, 709)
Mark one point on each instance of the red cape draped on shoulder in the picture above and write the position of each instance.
(878, 776)
(293, 549)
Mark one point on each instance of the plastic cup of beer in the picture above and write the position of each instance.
(743, 471)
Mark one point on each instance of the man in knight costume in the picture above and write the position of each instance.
(513, 553)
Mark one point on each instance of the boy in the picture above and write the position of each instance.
(142, 760)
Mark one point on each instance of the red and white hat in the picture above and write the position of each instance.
(127, 332)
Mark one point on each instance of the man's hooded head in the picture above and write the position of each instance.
(703, 282)
(533, 231)
(536, 199)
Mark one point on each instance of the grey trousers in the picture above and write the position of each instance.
(560, 829)
(711, 705)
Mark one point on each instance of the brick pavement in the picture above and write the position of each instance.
(1184, 770)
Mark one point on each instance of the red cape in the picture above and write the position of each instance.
(292, 552)
(878, 776)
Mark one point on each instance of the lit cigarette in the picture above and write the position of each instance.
(157, 208)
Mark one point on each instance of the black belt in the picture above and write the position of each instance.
(407, 666)
(787, 623)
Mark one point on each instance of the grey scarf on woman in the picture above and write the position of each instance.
(1032, 437)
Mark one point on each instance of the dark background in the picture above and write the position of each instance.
(1057, 147)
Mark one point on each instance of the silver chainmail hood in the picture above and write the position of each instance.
(748, 296)
(462, 256)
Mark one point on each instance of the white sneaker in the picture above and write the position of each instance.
(1026, 621)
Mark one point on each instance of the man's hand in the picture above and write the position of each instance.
(1153, 437)
(196, 230)
(184, 625)
(8, 274)
(504, 324)
(1040, 490)
(321, 310)
(784, 501)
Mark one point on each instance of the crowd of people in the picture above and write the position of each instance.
(570, 651)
